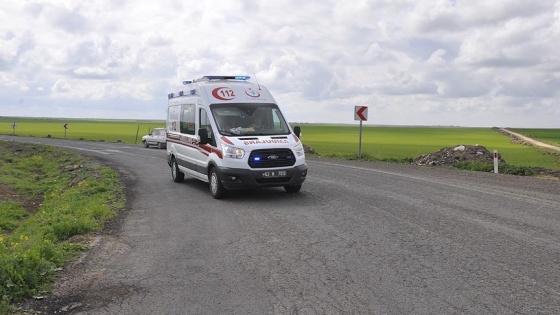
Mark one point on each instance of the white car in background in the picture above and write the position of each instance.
(157, 138)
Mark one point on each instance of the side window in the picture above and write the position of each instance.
(188, 119)
(173, 122)
(205, 124)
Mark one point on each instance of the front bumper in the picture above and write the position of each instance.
(236, 179)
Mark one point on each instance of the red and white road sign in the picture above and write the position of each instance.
(360, 113)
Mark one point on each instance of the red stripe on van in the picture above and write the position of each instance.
(226, 140)
(204, 149)
(207, 149)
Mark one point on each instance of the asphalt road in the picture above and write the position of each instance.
(360, 238)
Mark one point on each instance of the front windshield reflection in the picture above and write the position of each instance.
(249, 119)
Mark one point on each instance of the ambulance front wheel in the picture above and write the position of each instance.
(292, 189)
(217, 190)
(177, 175)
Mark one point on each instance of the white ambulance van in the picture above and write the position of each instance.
(229, 132)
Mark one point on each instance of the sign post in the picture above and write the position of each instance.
(137, 130)
(65, 128)
(14, 125)
(360, 113)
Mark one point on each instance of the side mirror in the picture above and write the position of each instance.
(297, 131)
(203, 136)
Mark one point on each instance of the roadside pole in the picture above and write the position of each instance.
(360, 113)
(496, 161)
(137, 130)
(65, 128)
(14, 125)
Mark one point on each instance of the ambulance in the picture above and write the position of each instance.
(230, 133)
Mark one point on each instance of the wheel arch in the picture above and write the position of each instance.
(170, 158)
(211, 164)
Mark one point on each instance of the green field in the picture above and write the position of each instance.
(378, 143)
(91, 129)
(551, 136)
(403, 143)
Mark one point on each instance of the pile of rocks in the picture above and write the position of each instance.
(308, 150)
(450, 156)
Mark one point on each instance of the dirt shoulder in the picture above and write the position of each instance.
(529, 140)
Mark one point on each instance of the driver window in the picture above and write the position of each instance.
(205, 124)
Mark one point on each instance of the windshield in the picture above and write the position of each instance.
(249, 119)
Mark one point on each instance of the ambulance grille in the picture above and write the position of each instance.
(271, 158)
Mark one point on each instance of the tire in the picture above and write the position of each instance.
(292, 189)
(176, 174)
(146, 144)
(217, 190)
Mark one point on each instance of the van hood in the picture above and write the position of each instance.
(257, 142)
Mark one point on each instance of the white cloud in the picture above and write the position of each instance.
(61, 86)
(90, 72)
(8, 50)
(414, 62)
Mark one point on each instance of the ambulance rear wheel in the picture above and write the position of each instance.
(217, 190)
(177, 175)
(292, 189)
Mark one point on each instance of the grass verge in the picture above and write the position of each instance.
(504, 168)
(48, 196)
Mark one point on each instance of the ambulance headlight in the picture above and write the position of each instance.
(298, 149)
(233, 152)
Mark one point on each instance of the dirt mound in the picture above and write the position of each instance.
(308, 150)
(451, 156)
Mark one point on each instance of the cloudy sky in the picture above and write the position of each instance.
(412, 62)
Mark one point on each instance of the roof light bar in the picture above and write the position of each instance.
(224, 77)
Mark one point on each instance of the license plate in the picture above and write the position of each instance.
(273, 174)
